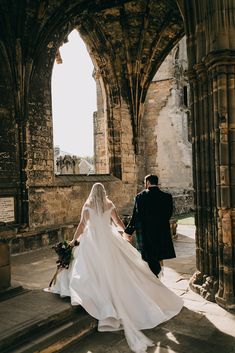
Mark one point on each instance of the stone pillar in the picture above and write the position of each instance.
(221, 67)
(100, 129)
(213, 100)
(204, 281)
(129, 158)
(211, 57)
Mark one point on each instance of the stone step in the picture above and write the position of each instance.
(56, 339)
(11, 292)
(48, 332)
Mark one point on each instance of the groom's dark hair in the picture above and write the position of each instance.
(152, 179)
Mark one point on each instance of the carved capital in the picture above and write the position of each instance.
(219, 58)
(200, 70)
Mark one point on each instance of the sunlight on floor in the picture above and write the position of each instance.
(171, 337)
(222, 320)
(160, 349)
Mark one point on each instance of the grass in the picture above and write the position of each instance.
(187, 219)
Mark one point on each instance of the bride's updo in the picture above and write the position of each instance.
(98, 198)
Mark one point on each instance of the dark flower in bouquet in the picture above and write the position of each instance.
(64, 251)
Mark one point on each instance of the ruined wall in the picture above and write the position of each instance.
(164, 131)
(55, 210)
(32, 33)
(40, 152)
(164, 142)
(62, 202)
(10, 134)
(67, 165)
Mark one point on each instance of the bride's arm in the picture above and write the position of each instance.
(80, 227)
(117, 220)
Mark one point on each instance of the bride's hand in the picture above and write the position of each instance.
(127, 237)
(71, 243)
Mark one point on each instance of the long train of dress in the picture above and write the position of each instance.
(111, 281)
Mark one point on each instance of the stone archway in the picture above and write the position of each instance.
(125, 66)
(128, 40)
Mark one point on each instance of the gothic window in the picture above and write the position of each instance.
(73, 103)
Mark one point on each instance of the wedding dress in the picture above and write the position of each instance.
(108, 277)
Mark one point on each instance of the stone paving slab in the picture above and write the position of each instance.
(34, 269)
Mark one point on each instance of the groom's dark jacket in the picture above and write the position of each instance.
(150, 219)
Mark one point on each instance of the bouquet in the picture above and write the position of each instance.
(64, 252)
(65, 256)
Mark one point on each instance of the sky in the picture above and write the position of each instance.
(74, 98)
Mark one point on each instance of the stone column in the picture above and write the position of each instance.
(128, 157)
(204, 280)
(211, 57)
(213, 113)
(100, 128)
(221, 67)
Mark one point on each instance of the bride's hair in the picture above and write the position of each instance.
(98, 198)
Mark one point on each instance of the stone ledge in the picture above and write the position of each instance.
(11, 291)
(67, 180)
(35, 239)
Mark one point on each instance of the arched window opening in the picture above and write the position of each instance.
(73, 107)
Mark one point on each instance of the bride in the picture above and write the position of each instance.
(109, 278)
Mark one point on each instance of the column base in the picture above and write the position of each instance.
(206, 286)
(228, 304)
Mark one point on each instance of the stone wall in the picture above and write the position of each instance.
(165, 144)
(55, 210)
(62, 203)
(44, 202)
(167, 149)
(11, 132)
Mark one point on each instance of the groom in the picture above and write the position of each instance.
(150, 219)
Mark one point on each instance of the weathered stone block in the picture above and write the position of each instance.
(5, 277)
(5, 270)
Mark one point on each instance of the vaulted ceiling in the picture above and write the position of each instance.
(127, 39)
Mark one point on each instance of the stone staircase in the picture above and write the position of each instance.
(48, 331)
